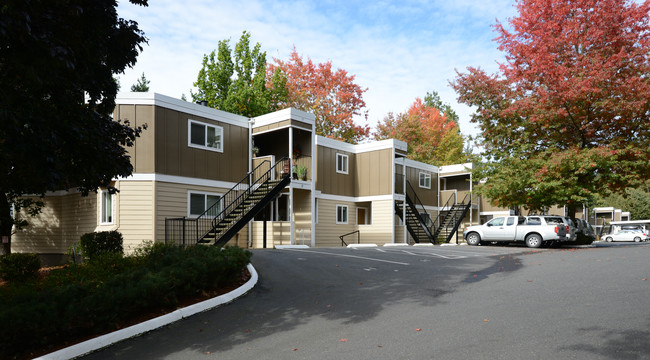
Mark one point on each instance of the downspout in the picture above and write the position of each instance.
(251, 122)
(404, 229)
(292, 227)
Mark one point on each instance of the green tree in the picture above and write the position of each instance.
(57, 97)
(236, 81)
(635, 200)
(566, 117)
(142, 85)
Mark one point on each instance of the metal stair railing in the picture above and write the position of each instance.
(458, 213)
(343, 243)
(189, 231)
(236, 199)
(437, 224)
(417, 209)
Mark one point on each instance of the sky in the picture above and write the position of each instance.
(398, 50)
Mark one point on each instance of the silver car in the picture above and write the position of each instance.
(627, 235)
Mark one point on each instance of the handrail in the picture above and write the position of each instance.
(247, 192)
(343, 243)
(438, 220)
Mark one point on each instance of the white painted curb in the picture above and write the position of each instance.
(424, 245)
(291, 247)
(449, 244)
(362, 245)
(149, 325)
(396, 245)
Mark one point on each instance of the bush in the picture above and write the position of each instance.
(94, 244)
(107, 293)
(19, 267)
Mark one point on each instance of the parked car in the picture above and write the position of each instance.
(584, 230)
(571, 228)
(627, 235)
(533, 230)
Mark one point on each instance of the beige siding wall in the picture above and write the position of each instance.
(163, 146)
(327, 179)
(277, 233)
(428, 197)
(302, 216)
(60, 224)
(135, 213)
(378, 232)
(374, 173)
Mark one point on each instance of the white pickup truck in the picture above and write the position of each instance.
(533, 230)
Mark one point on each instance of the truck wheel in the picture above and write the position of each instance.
(533, 241)
(473, 239)
(637, 239)
(608, 239)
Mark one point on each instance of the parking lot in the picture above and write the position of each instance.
(457, 302)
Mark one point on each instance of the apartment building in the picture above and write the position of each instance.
(203, 175)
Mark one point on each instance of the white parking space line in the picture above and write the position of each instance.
(351, 256)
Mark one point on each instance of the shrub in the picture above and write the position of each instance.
(94, 244)
(19, 267)
(107, 293)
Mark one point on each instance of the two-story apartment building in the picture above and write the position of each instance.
(192, 163)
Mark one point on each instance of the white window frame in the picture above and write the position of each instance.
(427, 179)
(345, 162)
(204, 146)
(347, 214)
(205, 201)
(102, 208)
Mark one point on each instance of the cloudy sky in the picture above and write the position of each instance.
(399, 50)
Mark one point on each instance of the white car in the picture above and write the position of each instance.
(627, 235)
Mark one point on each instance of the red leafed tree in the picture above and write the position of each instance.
(567, 116)
(432, 137)
(331, 95)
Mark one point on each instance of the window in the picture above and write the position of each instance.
(205, 136)
(341, 214)
(106, 207)
(511, 221)
(496, 222)
(425, 180)
(341, 163)
(200, 202)
(534, 221)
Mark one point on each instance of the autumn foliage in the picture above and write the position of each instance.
(567, 114)
(432, 137)
(331, 95)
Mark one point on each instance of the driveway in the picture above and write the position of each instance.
(461, 302)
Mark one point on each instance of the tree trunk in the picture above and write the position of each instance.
(571, 208)
(6, 223)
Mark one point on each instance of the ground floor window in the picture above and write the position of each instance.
(106, 207)
(341, 214)
(200, 202)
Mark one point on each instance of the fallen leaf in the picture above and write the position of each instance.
(475, 275)
(343, 340)
(379, 346)
(644, 279)
(418, 329)
(529, 280)
(294, 349)
(207, 353)
(486, 320)
(360, 283)
(248, 330)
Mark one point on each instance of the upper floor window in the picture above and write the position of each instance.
(341, 163)
(200, 202)
(106, 207)
(205, 136)
(425, 180)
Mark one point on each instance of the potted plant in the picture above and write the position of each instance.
(255, 150)
(301, 171)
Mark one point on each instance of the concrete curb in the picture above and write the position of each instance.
(149, 325)
(396, 245)
(291, 247)
(362, 245)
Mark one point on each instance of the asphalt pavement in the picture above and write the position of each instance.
(462, 302)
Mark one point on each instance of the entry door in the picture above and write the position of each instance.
(361, 216)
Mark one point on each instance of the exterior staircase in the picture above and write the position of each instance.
(452, 219)
(233, 211)
(421, 228)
